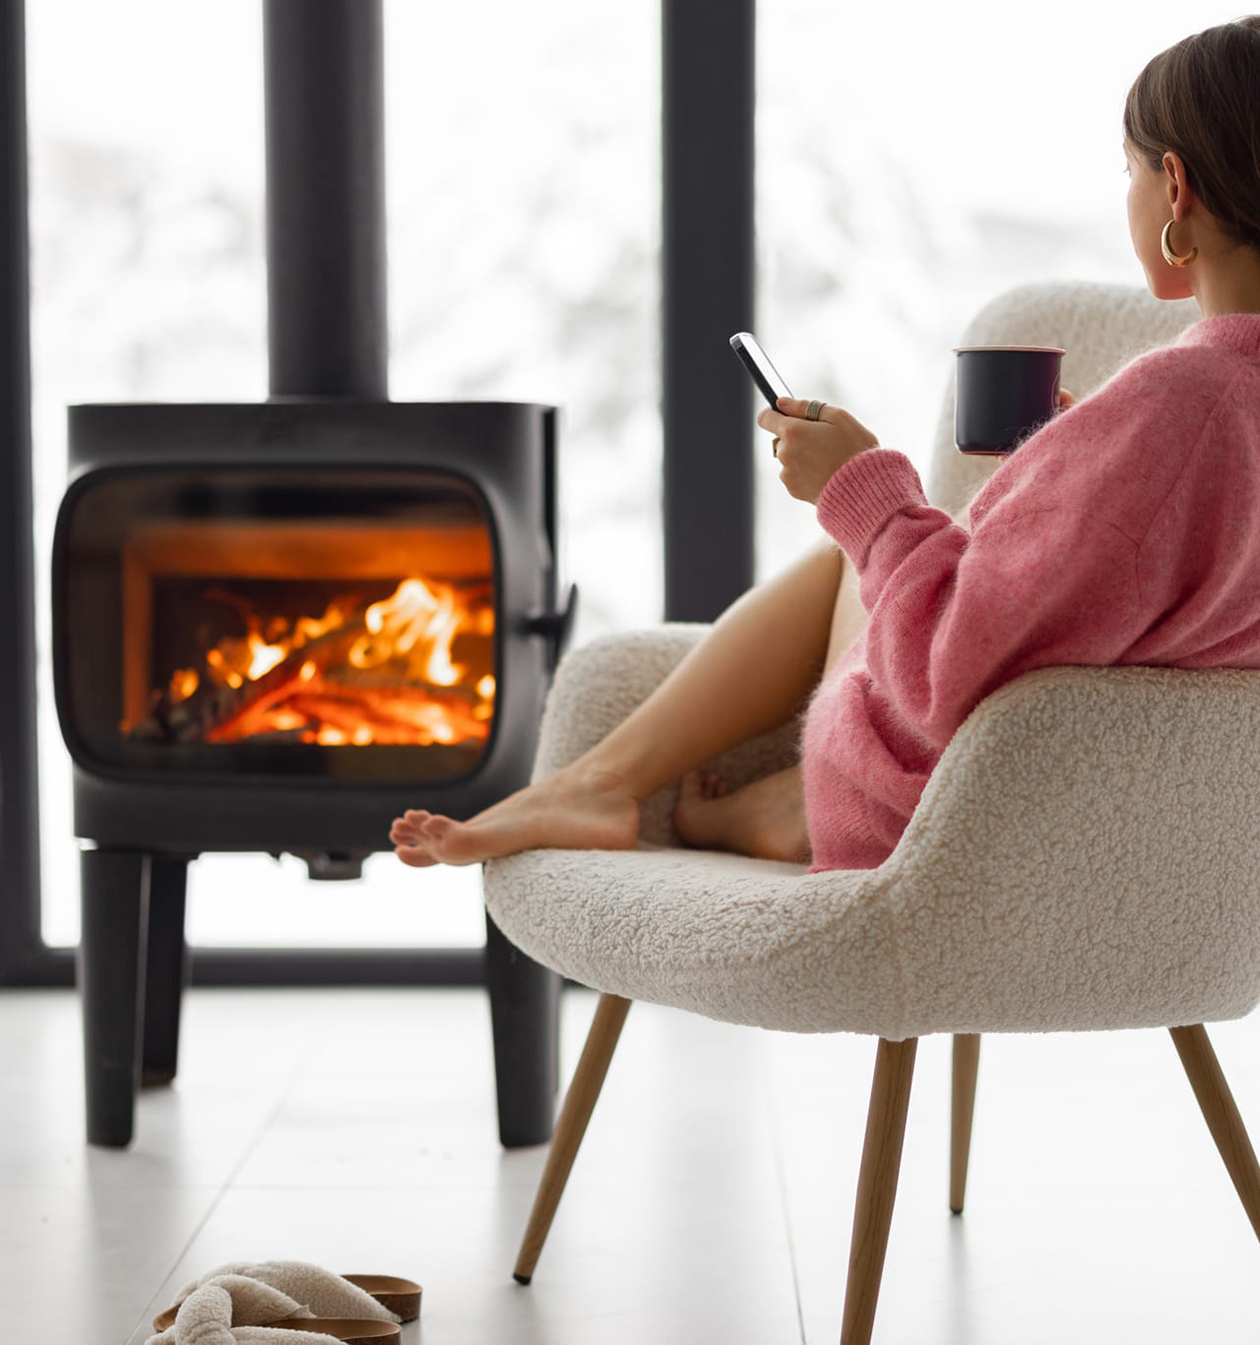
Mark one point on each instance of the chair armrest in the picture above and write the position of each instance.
(601, 683)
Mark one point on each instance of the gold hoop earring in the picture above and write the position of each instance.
(1170, 256)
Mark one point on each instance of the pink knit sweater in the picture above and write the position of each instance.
(1126, 530)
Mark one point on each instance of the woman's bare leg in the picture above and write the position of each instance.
(849, 618)
(752, 672)
(766, 818)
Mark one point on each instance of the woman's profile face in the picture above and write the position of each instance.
(1149, 210)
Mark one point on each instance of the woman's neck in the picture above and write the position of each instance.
(1231, 286)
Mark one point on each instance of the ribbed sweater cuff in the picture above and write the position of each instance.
(864, 494)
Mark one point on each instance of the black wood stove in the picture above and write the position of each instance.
(276, 626)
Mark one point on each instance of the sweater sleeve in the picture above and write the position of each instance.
(955, 614)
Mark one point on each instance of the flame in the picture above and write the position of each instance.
(263, 657)
(183, 683)
(384, 674)
(417, 622)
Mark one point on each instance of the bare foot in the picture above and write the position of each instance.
(408, 844)
(765, 819)
(576, 809)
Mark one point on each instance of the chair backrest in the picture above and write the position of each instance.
(1101, 327)
(1086, 854)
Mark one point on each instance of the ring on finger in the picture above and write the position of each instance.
(814, 409)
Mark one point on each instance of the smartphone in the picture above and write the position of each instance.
(757, 362)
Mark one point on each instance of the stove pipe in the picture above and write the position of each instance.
(325, 114)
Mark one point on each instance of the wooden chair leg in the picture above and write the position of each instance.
(579, 1102)
(1221, 1114)
(877, 1185)
(966, 1065)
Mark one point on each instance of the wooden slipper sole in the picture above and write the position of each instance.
(398, 1295)
(344, 1328)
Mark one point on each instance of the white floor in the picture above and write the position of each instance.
(710, 1204)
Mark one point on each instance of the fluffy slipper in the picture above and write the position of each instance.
(304, 1290)
(218, 1313)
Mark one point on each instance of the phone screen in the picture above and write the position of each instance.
(757, 362)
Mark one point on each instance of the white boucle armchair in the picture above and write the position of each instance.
(1085, 857)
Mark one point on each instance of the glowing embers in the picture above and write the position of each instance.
(413, 667)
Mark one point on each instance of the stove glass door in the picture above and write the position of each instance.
(317, 622)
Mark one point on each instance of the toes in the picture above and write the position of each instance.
(405, 830)
(451, 842)
(414, 856)
(435, 834)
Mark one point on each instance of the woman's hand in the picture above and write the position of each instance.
(1065, 399)
(811, 451)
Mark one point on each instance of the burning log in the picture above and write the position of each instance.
(382, 673)
(402, 715)
(212, 710)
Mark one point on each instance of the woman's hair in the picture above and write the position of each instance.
(1201, 99)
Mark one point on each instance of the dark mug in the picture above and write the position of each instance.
(1002, 394)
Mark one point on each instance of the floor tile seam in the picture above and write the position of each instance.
(772, 1121)
(225, 1186)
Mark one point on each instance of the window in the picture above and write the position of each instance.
(914, 161)
(523, 169)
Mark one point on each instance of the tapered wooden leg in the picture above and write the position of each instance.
(877, 1185)
(966, 1065)
(579, 1102)
(1221, 1114)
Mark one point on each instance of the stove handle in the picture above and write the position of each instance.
(555, 626)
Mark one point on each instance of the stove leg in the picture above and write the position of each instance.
(525, 1019)
(166, 968)
(111, 962)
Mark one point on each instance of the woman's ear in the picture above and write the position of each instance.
(1176, 182)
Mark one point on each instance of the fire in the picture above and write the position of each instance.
(263, 657)
(417, 622)
(353, 677)
(184, 683)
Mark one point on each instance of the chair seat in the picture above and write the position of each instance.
(744, 940)
(771, 945)
(1086, 856)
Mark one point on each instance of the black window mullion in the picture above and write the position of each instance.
(708, 53)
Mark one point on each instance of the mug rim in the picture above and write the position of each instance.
(1042, 350)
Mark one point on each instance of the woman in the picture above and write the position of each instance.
(1125, 531)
